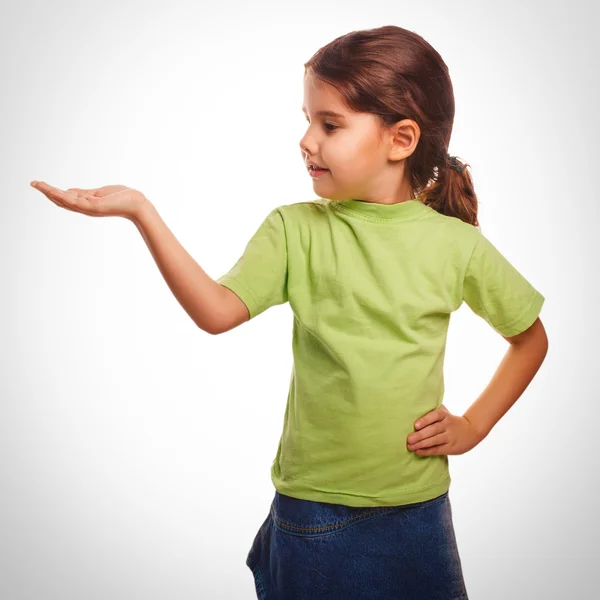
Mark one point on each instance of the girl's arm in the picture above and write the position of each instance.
(213, 307)
(524, 357)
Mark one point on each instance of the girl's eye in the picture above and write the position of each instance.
(328, 126)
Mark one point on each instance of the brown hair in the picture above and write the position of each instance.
(395, 74)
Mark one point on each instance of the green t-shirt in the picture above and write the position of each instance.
(371, 288)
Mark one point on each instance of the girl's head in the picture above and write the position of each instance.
(394, 107)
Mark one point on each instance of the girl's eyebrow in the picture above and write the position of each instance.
(326, 113)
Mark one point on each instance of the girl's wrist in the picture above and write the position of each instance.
(142, 206)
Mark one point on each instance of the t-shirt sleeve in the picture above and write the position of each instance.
(496, 291)
(259, 277)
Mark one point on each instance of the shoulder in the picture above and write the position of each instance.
(453, 225)
(303, 208)
(303, 212)
(451, 233)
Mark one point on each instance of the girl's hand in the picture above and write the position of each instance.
(107, 201)
(440, 432)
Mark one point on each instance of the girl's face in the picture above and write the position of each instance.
(351, 145)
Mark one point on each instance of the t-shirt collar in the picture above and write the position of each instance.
(374, 211)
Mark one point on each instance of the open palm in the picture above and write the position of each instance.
(106, 201)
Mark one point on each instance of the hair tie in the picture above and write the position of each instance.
(454, 164)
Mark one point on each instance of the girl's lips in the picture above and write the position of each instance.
(317, 172)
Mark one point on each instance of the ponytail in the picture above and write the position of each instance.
(451, 192)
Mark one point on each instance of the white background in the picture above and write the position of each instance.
(135, 449)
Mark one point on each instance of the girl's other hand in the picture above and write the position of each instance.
(107, 201)
(440, 432)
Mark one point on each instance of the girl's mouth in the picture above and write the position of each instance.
(316, 172)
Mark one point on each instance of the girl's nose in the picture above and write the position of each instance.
(305, 147)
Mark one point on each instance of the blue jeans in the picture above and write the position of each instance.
(309, 550)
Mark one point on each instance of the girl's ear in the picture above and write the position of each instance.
(403, 138)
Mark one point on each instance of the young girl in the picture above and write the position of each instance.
(372, 270)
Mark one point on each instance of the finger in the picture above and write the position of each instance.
(426, 432)
(48, 192)
(430, 417)
(64, 196)
(83, 191)
(46, 188)
(107, 190)
(63, 199)
(441, 449)
(434, 440)
(59, 204)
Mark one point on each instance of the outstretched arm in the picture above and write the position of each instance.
(213, 307)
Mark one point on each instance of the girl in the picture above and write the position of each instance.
(372, 270)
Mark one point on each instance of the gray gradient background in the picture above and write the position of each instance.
(135, 449)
